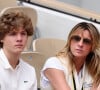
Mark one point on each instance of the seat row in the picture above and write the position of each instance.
(42, 49)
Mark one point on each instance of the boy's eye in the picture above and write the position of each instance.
(15, 33)
(12, 33)
(24, 33)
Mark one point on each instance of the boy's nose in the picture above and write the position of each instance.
(19, 37)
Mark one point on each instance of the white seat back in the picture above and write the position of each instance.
(36, 60)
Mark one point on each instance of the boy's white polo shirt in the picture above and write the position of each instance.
(23, 77)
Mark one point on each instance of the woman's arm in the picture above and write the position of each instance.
(57, 79)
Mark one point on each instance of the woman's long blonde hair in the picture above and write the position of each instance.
(93, 58)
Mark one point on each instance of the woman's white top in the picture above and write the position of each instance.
(23, 77)
(83, 79)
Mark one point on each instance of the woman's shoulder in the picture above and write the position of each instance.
(53, 61)
(59, 60)
(57, 63)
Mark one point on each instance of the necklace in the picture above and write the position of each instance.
(74, 82)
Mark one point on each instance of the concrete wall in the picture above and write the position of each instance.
(93, 5)
(52, 24)
(7, 3)
(73, 2)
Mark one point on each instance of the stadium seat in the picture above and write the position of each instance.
(35, 59)
(48, 46)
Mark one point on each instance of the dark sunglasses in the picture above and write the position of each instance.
(78, 38)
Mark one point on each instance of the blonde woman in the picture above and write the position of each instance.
(77, 65)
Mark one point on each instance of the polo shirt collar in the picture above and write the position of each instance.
(4, 61)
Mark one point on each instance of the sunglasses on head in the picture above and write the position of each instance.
(78, 38)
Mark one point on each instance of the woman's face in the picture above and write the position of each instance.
(81, 43)
(15, 41)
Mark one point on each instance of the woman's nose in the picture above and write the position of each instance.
(80, 42)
